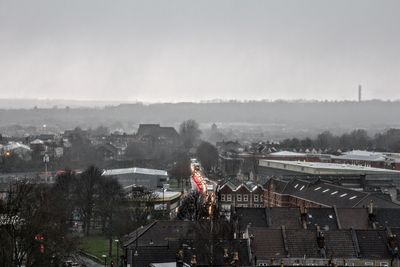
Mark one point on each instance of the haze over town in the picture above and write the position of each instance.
(188, 133)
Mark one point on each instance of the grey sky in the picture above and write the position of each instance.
(193, 50)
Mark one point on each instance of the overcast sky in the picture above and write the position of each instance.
(195, 50)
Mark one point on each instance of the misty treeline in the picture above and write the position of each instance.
(387, 141)
(39, 222)
(335, 116)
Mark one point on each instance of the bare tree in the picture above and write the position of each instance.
(208, 155)
(86, 195)
(190, 133)
(30, 227)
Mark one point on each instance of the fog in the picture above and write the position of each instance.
(156, 51)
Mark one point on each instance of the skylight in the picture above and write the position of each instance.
(326, 190)
(302, 188)
(343, 195)
(318, 188)
(353, 197)
(334, 193)
(296, 185)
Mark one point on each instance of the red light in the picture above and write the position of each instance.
(41, 248)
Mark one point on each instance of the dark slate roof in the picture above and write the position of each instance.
(356, 218)
(155, 254)
(302, 243)
(255, 216)
(160, 231)
(328, 194)
(379, 199)
(324, 217)
(155, 130)
(267, 243)
(324, 193)
(373, 244)
(339, 244)
(203, 256)
(289, 217)
(387, 217)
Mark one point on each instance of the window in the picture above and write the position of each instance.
(239, 197)
(256, 198)
(245, 198)
(222, 197)
(228, 197)
(261, 198)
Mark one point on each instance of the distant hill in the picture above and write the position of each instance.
(297, 116)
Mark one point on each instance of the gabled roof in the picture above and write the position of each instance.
(327, 194)
(156, 131)
(235, 185)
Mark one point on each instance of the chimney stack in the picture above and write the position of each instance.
(321, 242)
(193, 261)
(226, 257)
(304, 215)
(179, 258)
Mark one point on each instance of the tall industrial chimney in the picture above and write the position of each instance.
(359, 93)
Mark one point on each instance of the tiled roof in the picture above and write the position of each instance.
(387, 217)
(325, 218)
(302, 243)
(356, 218)
(324, 193)
(339, 244)
(372, 243)
(277, 243)
(289, 217)
(256, 217)
(267, 243)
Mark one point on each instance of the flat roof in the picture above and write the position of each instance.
(287, 154)
(317, 167)
(361, 155)
(134, 171)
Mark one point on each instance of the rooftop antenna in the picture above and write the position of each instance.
(359, 93)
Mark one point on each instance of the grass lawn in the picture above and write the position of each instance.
(97, 246)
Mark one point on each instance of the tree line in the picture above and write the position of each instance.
(387, 141)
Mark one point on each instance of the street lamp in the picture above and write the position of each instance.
(46, 160)
(117, 241)
(105, 260)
